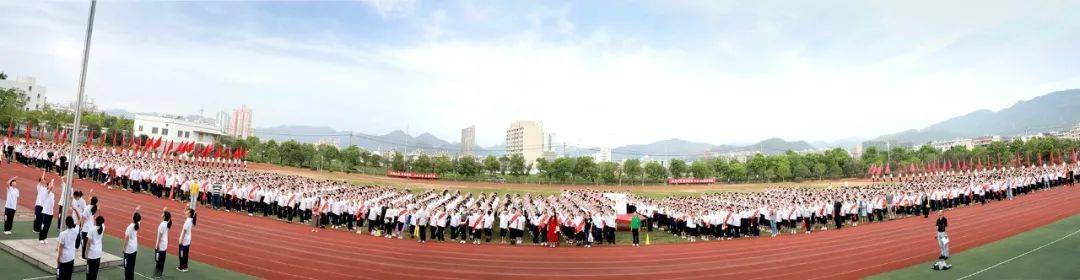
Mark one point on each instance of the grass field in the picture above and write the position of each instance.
(14, 268)
(1060, 260)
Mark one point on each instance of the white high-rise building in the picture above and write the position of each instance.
(468, 140)
(241, 123)
(33, 93)
(603, 155)
(224, 120)
(525, 138)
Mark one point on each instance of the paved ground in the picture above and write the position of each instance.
(270, 249)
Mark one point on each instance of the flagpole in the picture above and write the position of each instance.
(74, 148)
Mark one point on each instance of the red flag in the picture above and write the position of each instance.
(105, 138)
(10, 127)
(113, 143)
(56, 136)
(29, 127)
(63, 138)
(89, 138)
(888, 169)
(1040, 160)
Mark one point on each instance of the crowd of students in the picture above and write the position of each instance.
(84, 228)
(578, 217)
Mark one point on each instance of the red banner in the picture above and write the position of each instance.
(413, 175)
(691, 181)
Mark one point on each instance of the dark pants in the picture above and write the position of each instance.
(129, 266)
(184, 256)
(44, 230)
(159, 263)
(92, 268)
(9, 218)
(635, 234)
(37, 217)
(64, 270)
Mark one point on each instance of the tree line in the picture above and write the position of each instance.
(14, 116)
(790, 166)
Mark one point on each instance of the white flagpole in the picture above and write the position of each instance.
(74, 148)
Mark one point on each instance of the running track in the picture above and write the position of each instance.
(271, 249)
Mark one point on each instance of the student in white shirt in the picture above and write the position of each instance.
(162, 243)
(185, 240)
(48, 206)
(65, 250)
(41, 191)
(93, 243)
(131, 245)
(10, 204)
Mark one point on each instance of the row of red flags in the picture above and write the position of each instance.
(973, 164)
(139, 143)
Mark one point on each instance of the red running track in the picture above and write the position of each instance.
(272, 249)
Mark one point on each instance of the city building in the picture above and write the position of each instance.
(857, 151)
(329, 141)
(223, 120)
(1073, 134)
(944, 145)
(468, 141)
(985, 140)
(33, 93)
(240, 127)
(176, 129)
(525, 138)
(602, 155)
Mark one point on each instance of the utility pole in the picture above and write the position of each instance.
(73, 150)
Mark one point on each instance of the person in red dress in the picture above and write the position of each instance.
(553, 230)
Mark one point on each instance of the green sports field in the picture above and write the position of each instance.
(1052, 252)
(15, 268)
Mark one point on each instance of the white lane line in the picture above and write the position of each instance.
(1021, 255)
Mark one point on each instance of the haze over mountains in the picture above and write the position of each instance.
(1058, 110)
(1054, 111)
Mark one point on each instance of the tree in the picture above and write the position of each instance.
(563, 168)
(443, 164)
(678, 168)
(517, 165)
(738, 171)
(820, 170)
(608, 171)
(491, 164)
(422, 164)
(544, 167)
(585, 168)
(3, 76)
(721, 168)
(397, 162)
(655, 171)
(468, 166)
(632, 169)
(701, 170)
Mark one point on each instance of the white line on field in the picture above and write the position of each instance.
(1021, 255)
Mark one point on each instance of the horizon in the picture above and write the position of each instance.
(435, 67)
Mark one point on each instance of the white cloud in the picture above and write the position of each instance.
(594, 86)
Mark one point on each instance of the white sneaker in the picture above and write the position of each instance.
(7, 233)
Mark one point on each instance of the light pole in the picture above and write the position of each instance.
(74, 148)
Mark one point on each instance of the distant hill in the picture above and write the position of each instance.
(678, 148)
(395, 140)
(1054, 111)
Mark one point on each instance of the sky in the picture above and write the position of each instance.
(596, 73)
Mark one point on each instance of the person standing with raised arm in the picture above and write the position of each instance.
(10, 205)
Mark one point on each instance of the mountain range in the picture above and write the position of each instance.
(1054, 111)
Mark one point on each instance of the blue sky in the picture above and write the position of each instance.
(597, 73)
